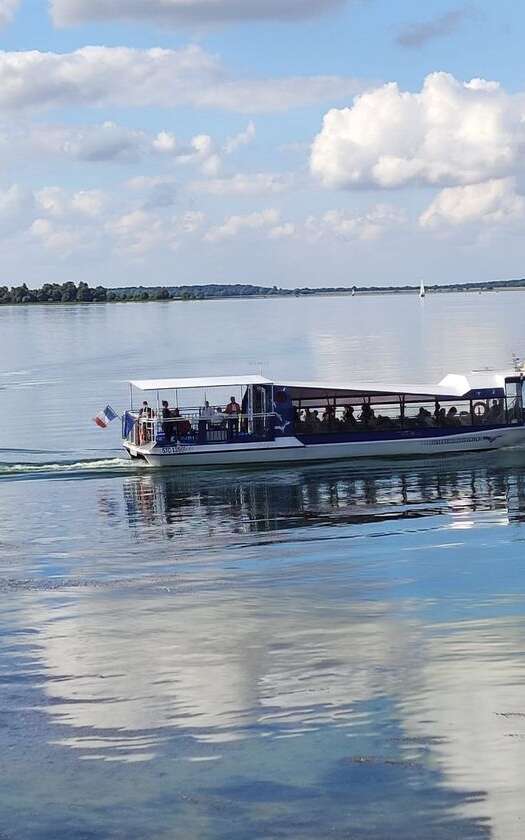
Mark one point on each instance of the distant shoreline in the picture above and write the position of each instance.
(53, 293)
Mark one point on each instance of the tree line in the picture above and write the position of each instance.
(83, 293)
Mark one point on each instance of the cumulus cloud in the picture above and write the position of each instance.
(127, 77)
(348, 226)
(234, 225)
(187, 12)
(418, 34)
(243, 184)
(451, 133)
(107, 142)
(8, 9)
(62, 239)
(284, 231)
(493, 202)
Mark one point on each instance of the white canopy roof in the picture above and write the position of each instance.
(452, 386)
(199, 382)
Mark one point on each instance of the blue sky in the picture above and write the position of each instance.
(299, 142)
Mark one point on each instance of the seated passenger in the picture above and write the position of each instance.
(452, 418)
(307, 420)
(316, 425)
(423, 417)
(349, 418)
(367, 415)
(330, 421)
(440, 419)
(495, 412)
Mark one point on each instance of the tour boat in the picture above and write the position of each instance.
(250, 419)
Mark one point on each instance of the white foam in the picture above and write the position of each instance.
(78, 466)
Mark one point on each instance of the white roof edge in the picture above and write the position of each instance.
(452, 385)
(377, 387)
(199, 382)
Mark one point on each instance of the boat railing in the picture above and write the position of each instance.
(192, 426)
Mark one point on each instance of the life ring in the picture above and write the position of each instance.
(479, 409)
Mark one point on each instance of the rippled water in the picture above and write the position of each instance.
(299, 652)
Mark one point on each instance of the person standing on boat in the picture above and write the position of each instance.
(167, 423)
(145, 415)
(233, 410)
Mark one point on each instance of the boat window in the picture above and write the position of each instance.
(514, 400)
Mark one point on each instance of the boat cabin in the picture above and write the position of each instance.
(457, 403)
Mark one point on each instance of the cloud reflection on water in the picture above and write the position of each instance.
(300, 603)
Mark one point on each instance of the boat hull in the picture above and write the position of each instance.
(293, 450)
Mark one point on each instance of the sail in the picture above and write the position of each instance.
(422, 290)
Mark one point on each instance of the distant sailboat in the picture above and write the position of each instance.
(422, 290)
(354, 290)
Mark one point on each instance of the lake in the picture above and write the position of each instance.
(301, 652)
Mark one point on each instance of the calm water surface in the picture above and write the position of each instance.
(332, 651)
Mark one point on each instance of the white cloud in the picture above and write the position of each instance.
(284, 231)
(451, 133)
(126, 77)
(17, 207)
(202, 151)
(493, 202)
(234, 225)
(140, 231)
(187, 12)
(165, 142)
(8, 9)
(243, 138)
(89, 202)
(347, 226)
(57, 202)
(243, 184)
(106, 142)
(62, 239)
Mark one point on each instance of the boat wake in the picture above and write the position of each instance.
(98, 468)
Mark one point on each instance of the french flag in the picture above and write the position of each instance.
(105, 417)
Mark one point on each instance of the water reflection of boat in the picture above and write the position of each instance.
(242, 502)
(288, 422)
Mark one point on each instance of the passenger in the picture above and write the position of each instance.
(495, 412)
(437, 412)
(441, 419)
(367, 415)
(452, 418)
(146, 413)
(316, 423)
(233, 410)
(307, 420)
(208, 411)
(423, 417)
(182, 425)
(233, 407)
(330, 421)
(349, 418)
(167, 423)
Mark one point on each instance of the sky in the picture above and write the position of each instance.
(275, 142)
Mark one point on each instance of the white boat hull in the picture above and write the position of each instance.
(291, 449)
